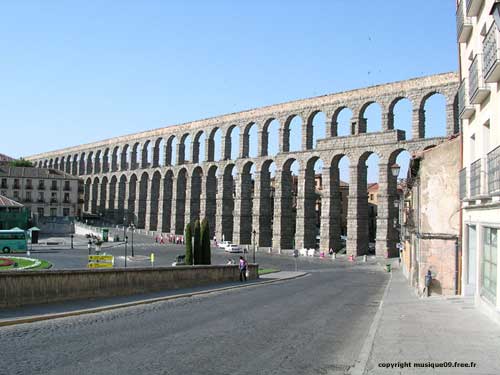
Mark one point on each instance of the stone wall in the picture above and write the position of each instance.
(18, 288)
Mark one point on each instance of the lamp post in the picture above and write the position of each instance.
(124, 227)
(254, 244)
(71, 241)
(495, 12)
(132, 227)
(126, 241)
(395, 168)
(89, 246)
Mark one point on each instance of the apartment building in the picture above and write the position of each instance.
(478, 39)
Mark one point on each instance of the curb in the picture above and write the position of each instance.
(39, 318)
(360, 366)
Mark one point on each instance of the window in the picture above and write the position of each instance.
(16, 194)
(65, 211)
(28, 196)
(41, 184)
(28, 184)
(66, 197)
(16, 183)
(41, 197)
(490, 261)
(4, 183)
(53, 211)
(66, 185)
(40, 211)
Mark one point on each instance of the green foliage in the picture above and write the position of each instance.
(21, 163)
(196, 242)
(188, 240)
(205, 242)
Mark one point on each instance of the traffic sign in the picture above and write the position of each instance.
(100, 258)
(99, 265)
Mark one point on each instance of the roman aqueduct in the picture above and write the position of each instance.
(135, 178)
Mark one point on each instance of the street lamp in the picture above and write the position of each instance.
(126, 241)
(132, 227)
(254, 233)
(395, 168)
(495, 12)
(124, 227)
(71, 241)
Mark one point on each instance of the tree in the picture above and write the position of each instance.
(196, 242)
(21, 163)
(189, 250)
(205, 242)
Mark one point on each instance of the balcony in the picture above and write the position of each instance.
(27, 200)
(41, 187)
(465, 110)
(478, 90)
(473, 7)
(475, 179)
(67, 188)
(494, 172)
(66, 201)
(491, 56)
(463, 184)
(17, 186)
(53, 200)
(53, 188)
(41, 200)
(29, 187)
(4, 186)
(464, 24)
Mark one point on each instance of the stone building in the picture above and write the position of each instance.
(12, 214)
(50, 195)
(479, 109)
(136, 177)
(431, 218)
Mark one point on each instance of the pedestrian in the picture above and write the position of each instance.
(243, 269)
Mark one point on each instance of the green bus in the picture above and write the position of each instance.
(13, 240)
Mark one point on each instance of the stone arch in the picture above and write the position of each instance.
(198, 149)
(62, 164)
(395, 119)
(154, 202)
(228, 194)
(170, 150)
(231, 143)
(87, 194)
(315, 128)
(264, 203)
(370, 117)
(285, 206)
(142, 213)
(158, 153)
(122, 214)
(115, 159)
(81, 164)
(90, 163)
(215, 134)
(51, 162)
(180, 200)
(133, 158)
(183, 149)
(124, 160)
(196, 191)
(244, 208)
(97, 162)
(110, 210)
(105, 166)
(249, 140)
(269, 143)
(95, 195)
(131, 212)
(101, 208)
(146, 155)
(74, 166)
(292, 129)
(166, 214)
(56, 163)
(211, 198)
(342, 122)
(432, 116)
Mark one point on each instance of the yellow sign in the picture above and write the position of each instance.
(100, 265)
(101, 258)
(152, 257)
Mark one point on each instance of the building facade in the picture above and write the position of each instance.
(479, 108)
(13, 214)
(431, 219)
(45, 192)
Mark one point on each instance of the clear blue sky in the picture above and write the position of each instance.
(77, 72)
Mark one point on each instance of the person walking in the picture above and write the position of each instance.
(243, 269)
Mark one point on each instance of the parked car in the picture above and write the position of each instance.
(224, 244)
(232, 248)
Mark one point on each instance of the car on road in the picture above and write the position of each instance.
(223, 244)
(232, 248)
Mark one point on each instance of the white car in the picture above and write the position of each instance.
(232, 248)
(224, 244)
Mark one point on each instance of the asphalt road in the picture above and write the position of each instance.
(312, 325)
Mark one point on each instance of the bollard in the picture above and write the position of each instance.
(334, 256)
(364, 258)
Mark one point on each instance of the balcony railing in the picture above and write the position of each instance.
(478, 90)
(473, 7)
(53, 200)
(67, 188)
(465, 110)
(4, 186)
(41, 200)
(491, 56)
(464, 24)
(29, 187)
(475, 178)
(41, 187)
(463, 183)
(494, 171)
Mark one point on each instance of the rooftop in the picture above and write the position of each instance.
(32, 172)
(6, 202)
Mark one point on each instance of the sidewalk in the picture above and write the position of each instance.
(436, 330)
